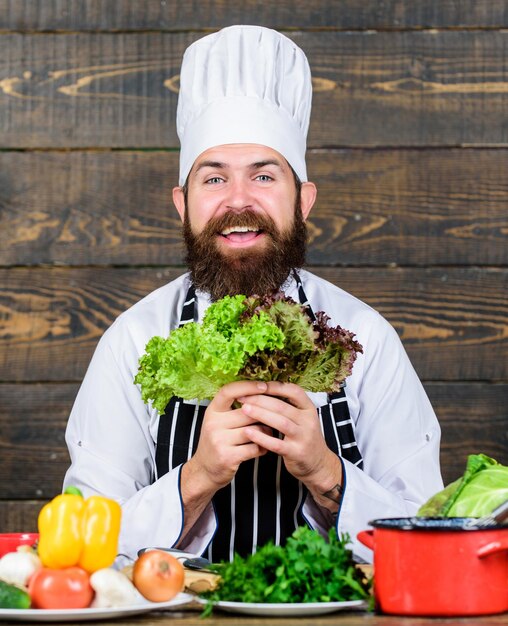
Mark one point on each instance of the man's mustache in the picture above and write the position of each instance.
(245, 218)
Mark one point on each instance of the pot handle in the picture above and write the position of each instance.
(492, 548)
(367, 538)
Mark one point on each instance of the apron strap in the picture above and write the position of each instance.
(302, 296)
(337, 402)
(189, 309)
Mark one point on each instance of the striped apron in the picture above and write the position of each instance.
(264, 501)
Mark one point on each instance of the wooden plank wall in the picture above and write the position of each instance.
(408, 147)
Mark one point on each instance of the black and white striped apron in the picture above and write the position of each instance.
(264, 501)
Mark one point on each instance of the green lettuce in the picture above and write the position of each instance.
(256, 338)
(482, 487)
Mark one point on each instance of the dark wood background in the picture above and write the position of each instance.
(408, 147)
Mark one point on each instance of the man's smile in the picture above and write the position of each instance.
(241, 234)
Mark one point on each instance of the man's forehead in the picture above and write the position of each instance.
(239, 156)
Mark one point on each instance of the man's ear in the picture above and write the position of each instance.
(179, 201)
(308, 195)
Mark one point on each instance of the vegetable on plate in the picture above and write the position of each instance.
(113, 589)
(17, 568)
(158, 576)
(67, 588)
(12, 597)
(482, 488)
(75, 531)
(309, 568)
(246, 338)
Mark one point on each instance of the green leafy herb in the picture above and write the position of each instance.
(309, 568)
(240, 338)
(482, 487)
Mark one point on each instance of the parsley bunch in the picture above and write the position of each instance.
(308, 568)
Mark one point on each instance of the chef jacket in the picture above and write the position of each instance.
(112, 434)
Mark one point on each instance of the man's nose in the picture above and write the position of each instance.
(239, 196)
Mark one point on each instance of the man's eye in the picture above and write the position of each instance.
(214, 180)
(264, 178)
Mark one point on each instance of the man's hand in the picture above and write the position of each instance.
(223, 445)
(223, 442)
(302, 446)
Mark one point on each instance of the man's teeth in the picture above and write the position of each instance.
(238, 229)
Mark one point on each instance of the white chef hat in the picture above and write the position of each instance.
(244, 84)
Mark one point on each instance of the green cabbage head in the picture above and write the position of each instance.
(482, 488)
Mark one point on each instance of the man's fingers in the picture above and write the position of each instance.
(239, 436)
(294, 393)
(235, 436)
(227, 420)
(266, 441)
(269, 416)
(249, 451)
(225, 397)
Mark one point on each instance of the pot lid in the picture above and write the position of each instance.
(431, 524)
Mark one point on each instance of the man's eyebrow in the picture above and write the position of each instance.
(253, 166)
(260, 164)
(214, 164)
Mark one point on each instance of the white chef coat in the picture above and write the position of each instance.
(111, 433)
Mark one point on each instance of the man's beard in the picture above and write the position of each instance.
(248, 271)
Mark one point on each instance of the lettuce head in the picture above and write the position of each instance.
(246, 338)
(482, 488)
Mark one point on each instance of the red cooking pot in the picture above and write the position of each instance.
(430, 566)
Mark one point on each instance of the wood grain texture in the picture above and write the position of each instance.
(453, 322)
(408, 147)
(32, 445)
(48, 314)
(19, 515)
(100, 15)
(408, 88)
(473, 418)
(404, 207)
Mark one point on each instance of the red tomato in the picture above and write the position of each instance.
(158, 576)
(67, 588)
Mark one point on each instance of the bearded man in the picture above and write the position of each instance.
(212, 478)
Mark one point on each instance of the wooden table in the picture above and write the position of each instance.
(190, 616)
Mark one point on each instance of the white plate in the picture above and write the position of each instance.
(286, 609)
(81, 615)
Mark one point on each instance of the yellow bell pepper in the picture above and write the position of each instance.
(75, 531)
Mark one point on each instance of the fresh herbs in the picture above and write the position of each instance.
(309, 568)
(256, 338)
